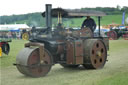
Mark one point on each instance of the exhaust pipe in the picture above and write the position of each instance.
(48, 16)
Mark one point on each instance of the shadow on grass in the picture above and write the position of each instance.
(58, 71)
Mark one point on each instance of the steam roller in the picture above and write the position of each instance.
(65, 46)
(115, 34)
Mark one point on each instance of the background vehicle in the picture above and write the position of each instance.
(4, 45)
(117, 32)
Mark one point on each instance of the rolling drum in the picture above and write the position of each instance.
(28, 62)
(95, 54)
(112, 35)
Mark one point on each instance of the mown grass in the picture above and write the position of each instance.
(15, 47)
(115, 71)
(118, 51)
(118, 79)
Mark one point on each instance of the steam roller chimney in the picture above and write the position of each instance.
(48, 16)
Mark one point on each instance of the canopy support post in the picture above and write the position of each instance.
(99, 24)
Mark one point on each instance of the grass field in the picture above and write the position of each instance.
(115, 71)
(105, 20)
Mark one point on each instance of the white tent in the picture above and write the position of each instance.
(13, 26)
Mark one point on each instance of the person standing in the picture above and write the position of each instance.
(90, 23)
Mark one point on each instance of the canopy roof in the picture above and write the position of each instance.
(73, 13)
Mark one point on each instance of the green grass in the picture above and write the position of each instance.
(115, 71)
(15, 47)
(118, 51)
(119, 79)
(105, 20)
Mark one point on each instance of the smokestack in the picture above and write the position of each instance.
(48, 16)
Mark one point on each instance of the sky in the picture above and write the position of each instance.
(10, 7)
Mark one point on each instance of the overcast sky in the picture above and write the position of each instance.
(9, 7)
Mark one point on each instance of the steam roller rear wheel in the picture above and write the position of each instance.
(112, 35)
(95, 54)
(28, 62)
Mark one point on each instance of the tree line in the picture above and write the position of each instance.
(35, 19)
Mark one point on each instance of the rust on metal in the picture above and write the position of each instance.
(60, 48)
(70, 53)
(106, 42)
(86, 32)
(95, 53)
(112, 35)
(34, 59)
(79, 52)
(31, 65)
(41, 49)
(74, 52)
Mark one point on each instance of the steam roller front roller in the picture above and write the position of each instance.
(95, 54)
(28, 62)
